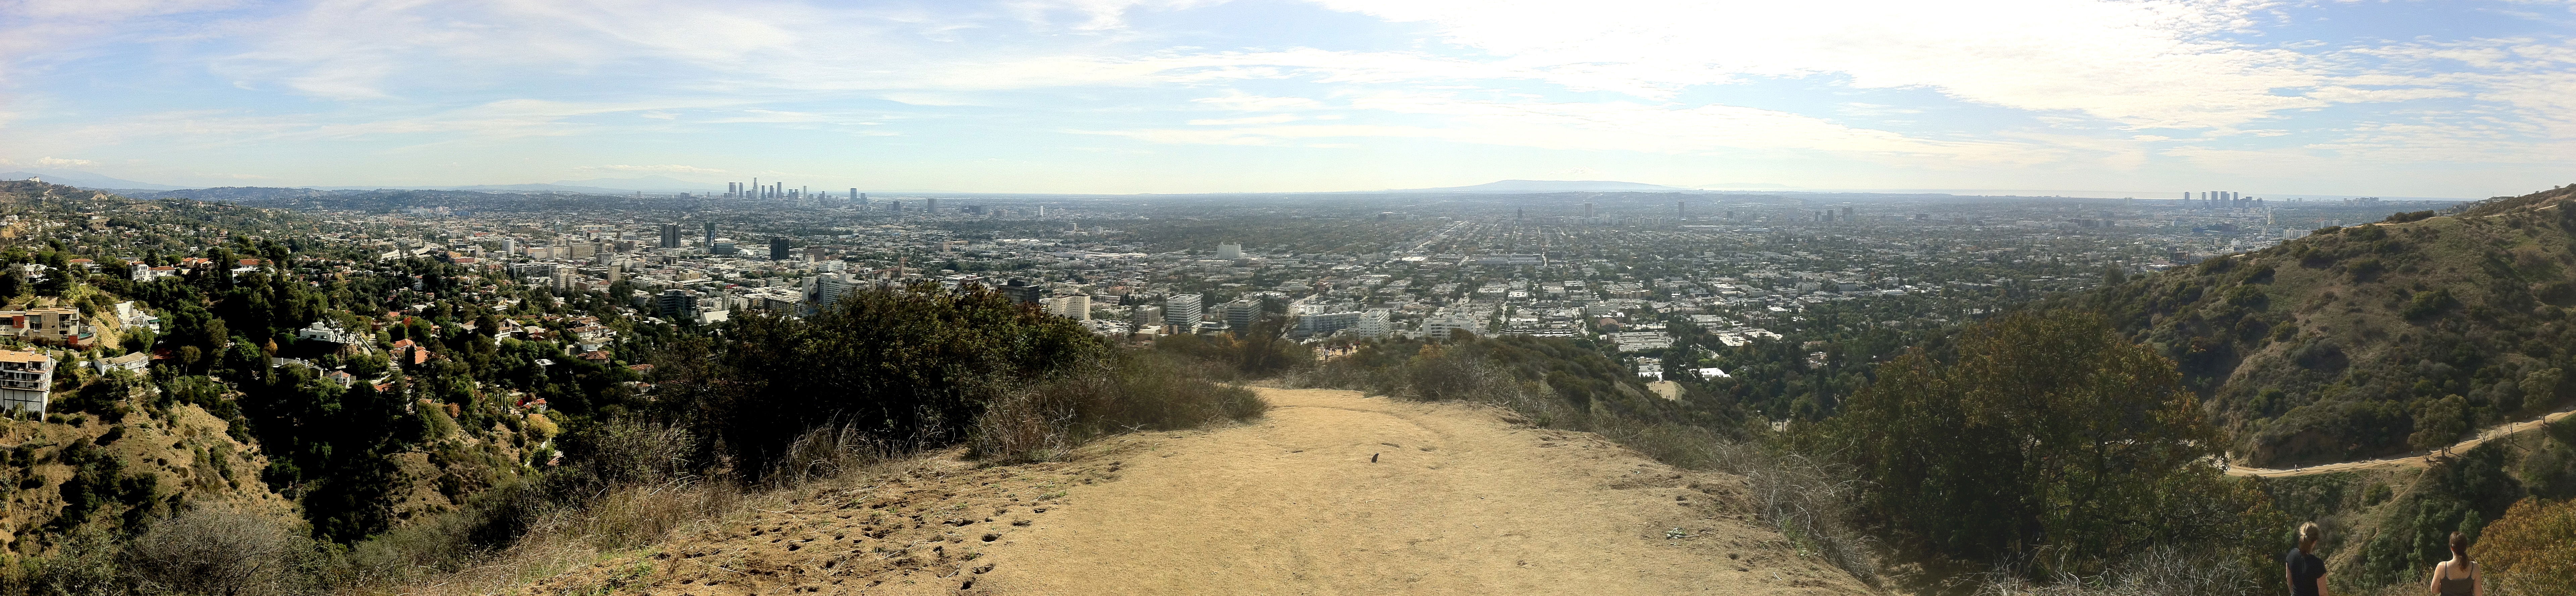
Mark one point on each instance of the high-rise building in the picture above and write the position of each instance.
(1242, 313)
(1587, 210)
(1072, 306)
(676, 303)
(930, 206)
(1377, 323)
(1020, 291)
(1847, 214)
(721, 246)
(1183, 311)
(670, 235)
(1229, 251)
(778, 248)
(711, 234)
(1681, 209)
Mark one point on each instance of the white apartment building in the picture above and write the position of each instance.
(26, 381)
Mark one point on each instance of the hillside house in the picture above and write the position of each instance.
(26, 381)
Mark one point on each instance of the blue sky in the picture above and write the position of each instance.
(2467, 98)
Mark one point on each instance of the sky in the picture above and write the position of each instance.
(2456, 98)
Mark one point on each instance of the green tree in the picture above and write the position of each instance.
(2440, 423)
(908, 366)
(2046, 431)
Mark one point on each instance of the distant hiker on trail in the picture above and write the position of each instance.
(2307, 572)
(2458, 576)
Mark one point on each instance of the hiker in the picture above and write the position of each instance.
(2458, 576)
(2307, 572)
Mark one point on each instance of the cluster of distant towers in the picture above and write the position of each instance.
(2223, 199)
(779, 191)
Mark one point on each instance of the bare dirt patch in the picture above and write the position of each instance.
(1332, 493)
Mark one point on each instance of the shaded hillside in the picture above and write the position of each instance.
(2372, 339)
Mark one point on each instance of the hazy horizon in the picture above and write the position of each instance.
(1187, 96)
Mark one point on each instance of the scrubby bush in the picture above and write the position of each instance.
(1137, 391)
(2532, 549)
(218, 549)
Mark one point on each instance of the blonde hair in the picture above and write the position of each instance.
(2309, 534)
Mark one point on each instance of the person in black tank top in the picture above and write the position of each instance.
(2307, 573)
(2458, 576)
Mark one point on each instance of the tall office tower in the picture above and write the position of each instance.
(754, 189)
(1587, 210)
(711, 234)
(1182, 311)
(930, 206)
(778, 248)
(1518, 213)
(1681, 209)
(670, 235)
(1041, 212)
(854, 194)
(1847, 213)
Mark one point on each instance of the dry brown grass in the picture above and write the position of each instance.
(634, 493)
(638, 518)
(561, 539)
(2164, 571)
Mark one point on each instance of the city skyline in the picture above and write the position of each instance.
(1121, 96)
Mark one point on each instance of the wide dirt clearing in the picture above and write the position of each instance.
(1459, 499)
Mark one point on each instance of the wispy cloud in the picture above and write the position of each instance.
(2113, 87)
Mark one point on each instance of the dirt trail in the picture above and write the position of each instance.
(1456, 502)
(1459, 500)
(2417, 460)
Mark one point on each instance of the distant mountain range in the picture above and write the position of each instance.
(652, 184)
(1556, 186)
(86, 180)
